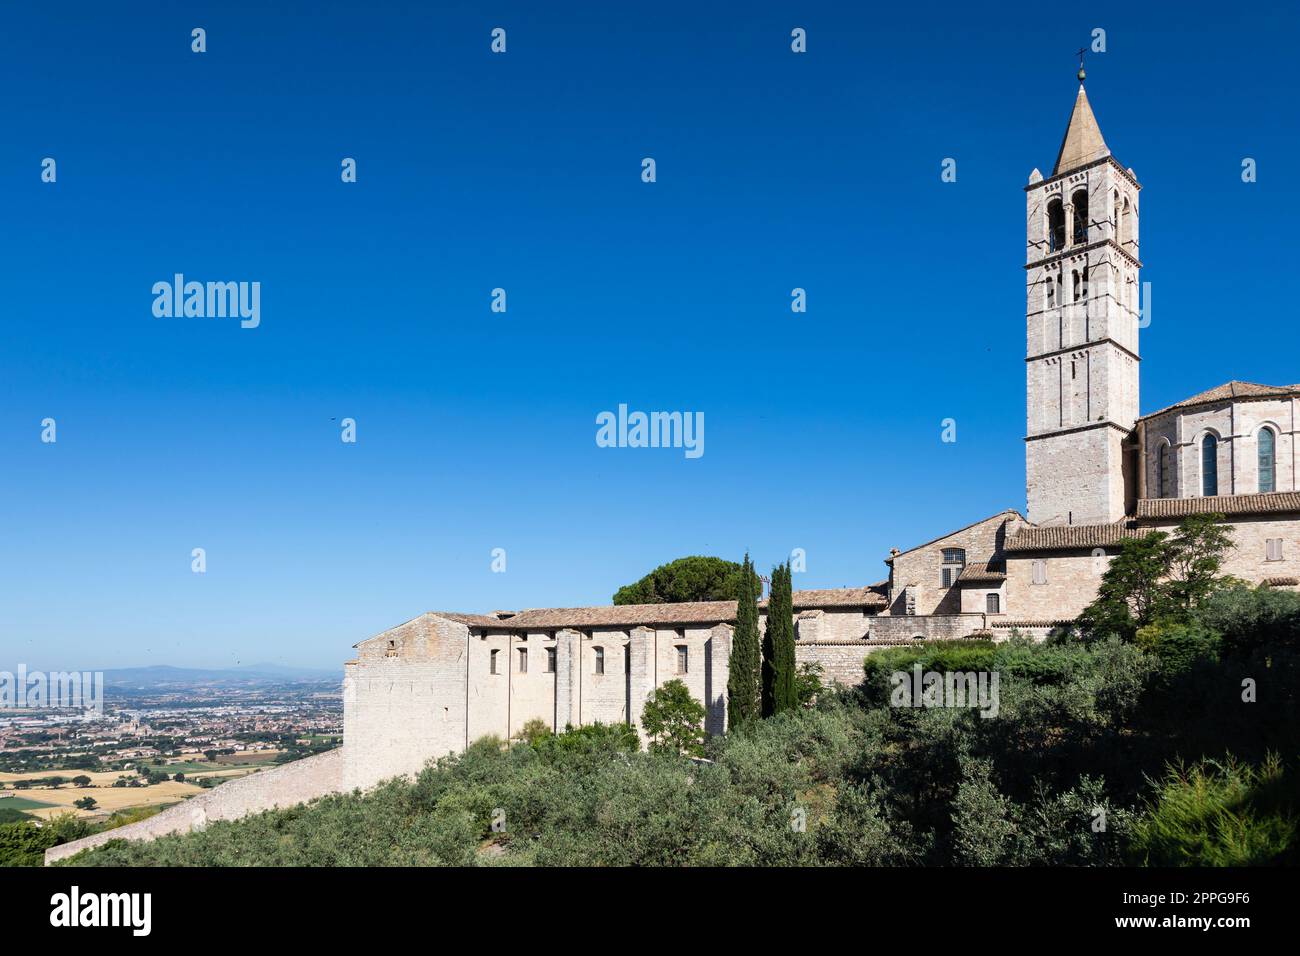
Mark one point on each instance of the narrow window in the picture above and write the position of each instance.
(1051, 293)
(994, 603)
(1040, 571)
(954, 559)
(1210, 466)
(1126, 225)
(1267, 472)
(1164, 471)
(550, 660)
(493, 662)
(1273, 550)
(1080, 202)
(1055, 225)
(600, 659)
(1076, 290)
(523, 660)
(683, 663)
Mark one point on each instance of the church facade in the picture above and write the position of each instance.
(1097, 472)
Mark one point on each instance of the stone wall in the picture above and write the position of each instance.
(927, 627)
(920, 570)
(282, 786)
(1236, 425)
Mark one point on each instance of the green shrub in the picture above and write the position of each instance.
(1221, 813)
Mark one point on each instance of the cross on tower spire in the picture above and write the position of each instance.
(1082, 50)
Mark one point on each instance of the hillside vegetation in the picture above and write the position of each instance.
(1177, 746)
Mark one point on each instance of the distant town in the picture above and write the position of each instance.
(165, 734)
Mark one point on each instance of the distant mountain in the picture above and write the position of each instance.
(247, 675)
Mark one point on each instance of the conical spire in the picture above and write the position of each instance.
(1083, 142)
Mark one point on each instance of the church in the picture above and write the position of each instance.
(1096, 472)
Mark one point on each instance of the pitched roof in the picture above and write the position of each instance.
(1070, 537)
(1228, 391)
(983, 572)
(1082, 143)
(838, 597)
(1273, 502)
(650, 615)
(1006, 513)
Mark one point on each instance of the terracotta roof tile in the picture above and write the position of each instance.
(1281, 582)
(983, 572)
(1071, 537)
(650, 615)
(1273, 502)
(1230, 390)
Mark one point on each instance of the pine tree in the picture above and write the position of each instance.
(742, 681)
(779, 676)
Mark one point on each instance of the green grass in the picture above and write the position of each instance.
(24, 803)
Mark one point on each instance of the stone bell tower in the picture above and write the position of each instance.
(1082, 318)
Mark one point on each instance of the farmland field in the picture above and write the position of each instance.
(22, 803)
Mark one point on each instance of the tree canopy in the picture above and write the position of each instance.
(694, 578)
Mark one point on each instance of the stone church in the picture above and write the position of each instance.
(1096, 472)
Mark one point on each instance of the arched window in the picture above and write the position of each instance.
(954, 559)
(1114, 214)
(1055, 225)
(1080, 202)
(1267, 442)
(1126, 224)
(1209, 466)
(1051, 293)
(1076, 287)
(1164, 471)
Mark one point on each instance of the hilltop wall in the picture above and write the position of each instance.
(282, 786)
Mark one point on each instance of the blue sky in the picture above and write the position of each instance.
(476, 430)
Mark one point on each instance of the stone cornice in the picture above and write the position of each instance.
(1079, 428)
(1083, 347)
(1076, 250)
(1078, 169)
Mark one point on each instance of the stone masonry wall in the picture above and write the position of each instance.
(282, 786)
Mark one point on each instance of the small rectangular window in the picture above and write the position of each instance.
(683, 661)
(600, 659)
(994, 604)
(550, 660)
(493, 662)
(523, 660)
(1040, 571)
(1274, 549)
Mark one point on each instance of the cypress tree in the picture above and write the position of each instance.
(779, 693)
(742, 681)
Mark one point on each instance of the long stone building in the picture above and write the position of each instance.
(1096, 472)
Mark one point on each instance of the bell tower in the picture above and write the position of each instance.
(1082, 318)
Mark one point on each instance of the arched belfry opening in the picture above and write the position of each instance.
(1080, 203)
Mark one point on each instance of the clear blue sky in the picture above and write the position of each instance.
(477, 430)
